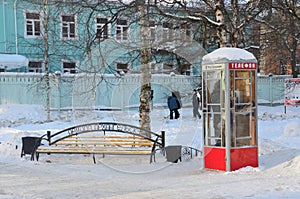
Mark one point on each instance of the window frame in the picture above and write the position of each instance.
(153, 31)
(186, 32)
(123, 36)
(33, 24)
(168, 31)
(41, 68)
(167, 68)
(69, 70)
(67, 24)
(105, 34)
(120, 70)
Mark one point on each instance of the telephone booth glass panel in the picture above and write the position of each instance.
(243, 108)
(214, 107)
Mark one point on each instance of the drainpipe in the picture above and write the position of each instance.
(4, 25)
(16, 27)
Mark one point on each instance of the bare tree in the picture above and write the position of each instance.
(145, 95)
(46, 39)
(282, 22)
(41, 42)
(229, 18)
(49, 45)
(137, 12)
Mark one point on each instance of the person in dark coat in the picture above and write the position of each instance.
(196, 101)
(174, 104)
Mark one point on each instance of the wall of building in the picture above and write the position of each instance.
(103, 54)
(7, 27)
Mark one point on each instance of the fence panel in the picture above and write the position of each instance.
(83, 91)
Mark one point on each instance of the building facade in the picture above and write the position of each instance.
(71, 37)
(279, 41)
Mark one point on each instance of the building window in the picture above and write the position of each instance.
(152, 31)
(153, 68)
(167, 68)
(122, 67)
(69, 67)
(122, 30)
(186, 32)
(35, 67)
(68, 26)
(101, 28)
(33, 25)
(167, 31)
(184, 69)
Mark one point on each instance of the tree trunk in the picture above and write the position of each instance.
(293, 48)
(221, 33)
(293, 58)
(235, 34)
(46, 40)
(145, 52)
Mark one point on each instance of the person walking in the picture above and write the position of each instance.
(174, 104)
(196, 101)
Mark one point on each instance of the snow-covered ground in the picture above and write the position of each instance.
(75, 176)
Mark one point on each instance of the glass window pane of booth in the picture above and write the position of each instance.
(243, 109)
(213, 107)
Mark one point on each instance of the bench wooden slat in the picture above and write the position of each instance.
(104, 140)
(70, 148)
(103, 144)
(92, 151)
(100, 144)
(111, 140)
(105, 137)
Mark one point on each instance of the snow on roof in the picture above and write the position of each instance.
(228, 54)
(12, 61)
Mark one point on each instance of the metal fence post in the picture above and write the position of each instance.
(271, 90)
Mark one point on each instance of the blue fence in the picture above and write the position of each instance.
(109, 91)
(90, 91)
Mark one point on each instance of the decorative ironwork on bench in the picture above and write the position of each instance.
(158, 140)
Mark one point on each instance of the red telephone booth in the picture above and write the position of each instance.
(229, 109)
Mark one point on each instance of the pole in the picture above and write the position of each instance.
(227, 118)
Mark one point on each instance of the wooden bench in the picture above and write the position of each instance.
(102, 138)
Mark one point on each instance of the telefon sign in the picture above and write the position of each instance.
(241, 66)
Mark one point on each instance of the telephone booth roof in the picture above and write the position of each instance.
(225, 55)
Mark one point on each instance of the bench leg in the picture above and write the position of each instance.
(94, 159)
(37, 155)
(32, 156)
(152, 156)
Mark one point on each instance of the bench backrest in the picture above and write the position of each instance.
(104, 128)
